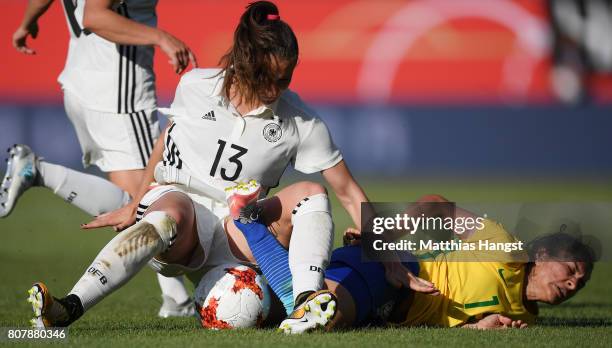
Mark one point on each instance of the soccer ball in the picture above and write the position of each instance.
(232, 296)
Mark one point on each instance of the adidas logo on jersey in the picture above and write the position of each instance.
(209, 116)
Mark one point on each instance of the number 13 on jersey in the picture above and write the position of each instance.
(235, 159)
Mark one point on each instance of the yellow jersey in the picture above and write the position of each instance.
(472, 289)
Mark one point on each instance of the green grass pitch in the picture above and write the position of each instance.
(41, 240)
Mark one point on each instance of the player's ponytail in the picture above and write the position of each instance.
(260, 39)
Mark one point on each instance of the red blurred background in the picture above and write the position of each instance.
(459, 88)
(421, 51)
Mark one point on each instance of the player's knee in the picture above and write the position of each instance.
(164, 225)
(309, 188)
(179, 214)
(175, 226)
(176, 205)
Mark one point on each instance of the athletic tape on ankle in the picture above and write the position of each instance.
(165, 226)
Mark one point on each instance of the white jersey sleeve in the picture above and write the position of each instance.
(316, 150)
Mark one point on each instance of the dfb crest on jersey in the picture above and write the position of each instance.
(272, 132)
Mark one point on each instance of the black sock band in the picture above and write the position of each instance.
(73, 306)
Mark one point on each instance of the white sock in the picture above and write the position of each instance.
(91, 193)
(173, 287)
(311, 243)
(124, 256)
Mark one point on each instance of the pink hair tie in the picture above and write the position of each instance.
(273, 17)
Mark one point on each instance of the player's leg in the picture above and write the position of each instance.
(90, 193)
(362, 294)
(104, 139)
(142, 130)
(350, 306)
(109, 142)
(345, 312)
(176, 301)
(167, 232)
(312, 236)
(118, 144)
(121, 146)
(299, 217)
(129, 181)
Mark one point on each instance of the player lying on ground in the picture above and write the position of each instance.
(473, 294)
(238, 123)
(109, 96)
(477, 294)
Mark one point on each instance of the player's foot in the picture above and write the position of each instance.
(20, 175)
(317, 311)
(49, 311)
(241, 199)
(170, 308)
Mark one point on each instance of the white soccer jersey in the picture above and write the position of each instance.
(211, 141)
(103, 75)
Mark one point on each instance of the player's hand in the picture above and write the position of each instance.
(497, 321)
(180, 55)
(119, 219)
(351, 236)
(399, 276)
(21, 35)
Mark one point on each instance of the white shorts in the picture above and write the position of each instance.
(214, 245)
(110, 141)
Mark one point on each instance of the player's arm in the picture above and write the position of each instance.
(29, 25)
(126, 216)
(351, 196)
(149, 172)
(100, 18)
(347, 190)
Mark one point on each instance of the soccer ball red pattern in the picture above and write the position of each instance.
(232, 296)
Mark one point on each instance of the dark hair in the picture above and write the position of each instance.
(260, 38)
(562, 247)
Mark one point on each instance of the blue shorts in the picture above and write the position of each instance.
(366, 282)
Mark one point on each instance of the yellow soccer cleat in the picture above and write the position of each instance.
(48, 311)
(317, 312)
